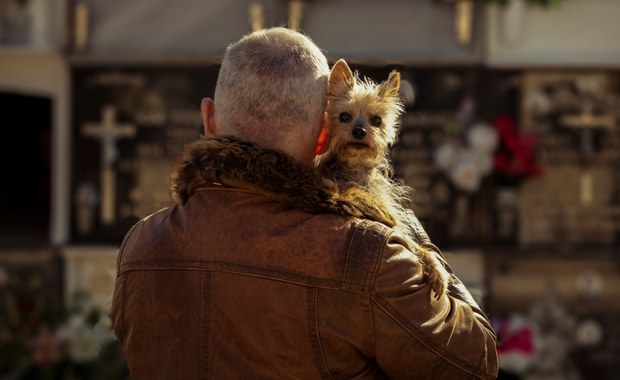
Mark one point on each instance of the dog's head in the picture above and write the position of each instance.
(363, 115)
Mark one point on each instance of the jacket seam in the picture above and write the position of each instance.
(368, 257)
(377, 254)
(372, 284)
(205, 325)
(372, 325)
(233, 269)
(477, 372)
(123, 308)
(315, 336)
(347, 257)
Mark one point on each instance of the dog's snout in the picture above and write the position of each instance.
(358, 133)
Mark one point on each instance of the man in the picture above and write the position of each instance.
(250, 276)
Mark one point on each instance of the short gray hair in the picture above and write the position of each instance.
(272, 89)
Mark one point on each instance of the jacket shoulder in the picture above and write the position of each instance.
(135, 235)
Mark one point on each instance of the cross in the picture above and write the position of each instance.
(586, 123)
(108, 132)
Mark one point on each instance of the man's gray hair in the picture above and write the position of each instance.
(272, 89)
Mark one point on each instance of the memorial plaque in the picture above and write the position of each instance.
(575, 116)
(129, 124)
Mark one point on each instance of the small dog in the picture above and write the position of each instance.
(363, 120)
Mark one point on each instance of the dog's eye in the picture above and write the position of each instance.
(375, 121)
(345, 117)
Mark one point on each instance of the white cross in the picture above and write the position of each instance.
(108, 132)
(585, 123)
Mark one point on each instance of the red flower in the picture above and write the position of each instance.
(521, 340)
(515, 158)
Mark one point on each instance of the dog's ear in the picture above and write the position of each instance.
(341, 79)
(391, 86)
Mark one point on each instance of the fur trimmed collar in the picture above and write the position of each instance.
(238, 163)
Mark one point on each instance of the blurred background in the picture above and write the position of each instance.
(510, 140)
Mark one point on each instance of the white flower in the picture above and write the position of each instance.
(72, 329)
(515, 362)
(482, 137)
(445, 154)
(103, 330)
(465, 175)
(83, 341)
(483, 161)
(467, 165)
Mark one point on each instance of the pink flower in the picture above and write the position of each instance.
(45, 348)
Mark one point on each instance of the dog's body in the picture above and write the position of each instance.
(363, 118)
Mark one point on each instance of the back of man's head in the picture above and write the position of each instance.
(272, 90)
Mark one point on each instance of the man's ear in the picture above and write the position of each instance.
(207, 109)
(322, 141)
(341, 79)
(390, 87)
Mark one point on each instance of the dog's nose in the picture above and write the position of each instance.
(358, 133)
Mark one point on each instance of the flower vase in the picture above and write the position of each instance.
(512, 21)
(507, 215)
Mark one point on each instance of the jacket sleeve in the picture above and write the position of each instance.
(418, 336)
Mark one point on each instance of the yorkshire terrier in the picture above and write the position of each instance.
(363, 122)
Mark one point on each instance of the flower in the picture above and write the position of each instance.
(466, 165)
(515, 160)
(444, 155)
(83, 340)
(466, 175)
(76, 342)
(517, 343)
(482, 137)
(76, 335)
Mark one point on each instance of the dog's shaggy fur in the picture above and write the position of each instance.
(273, 173)
(363, 119)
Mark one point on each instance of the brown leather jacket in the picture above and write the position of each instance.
(234, 283)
